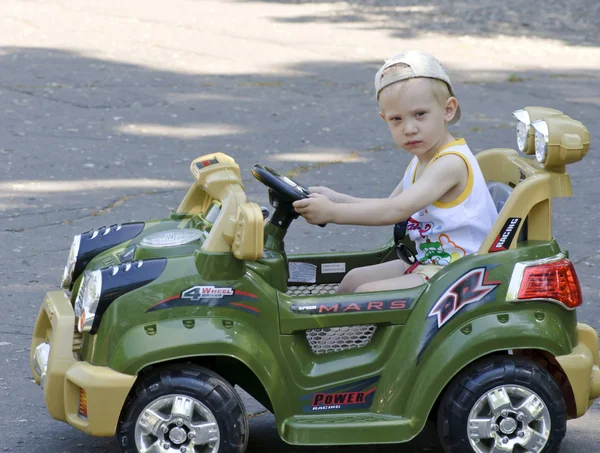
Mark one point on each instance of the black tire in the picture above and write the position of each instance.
(194, 381)
(462, 394)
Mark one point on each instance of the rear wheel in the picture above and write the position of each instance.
(502, 405)
(183, 409)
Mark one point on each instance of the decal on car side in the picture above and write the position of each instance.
(506, 236)
(210, 296)
(468, 289)
(353, 306)
(356, 395)
(471, 289)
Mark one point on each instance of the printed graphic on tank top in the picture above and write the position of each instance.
(446, 231)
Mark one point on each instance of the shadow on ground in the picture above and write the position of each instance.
(69, 117)
(574, 22)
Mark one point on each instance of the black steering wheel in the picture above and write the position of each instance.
(283, 191)
(286, 188)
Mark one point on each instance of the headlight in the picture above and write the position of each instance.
(541, 140)
(40, 361)
(523, 126)
(87, 300)
(100, 288)
(67, 279)
(560, 140)
(525, 118)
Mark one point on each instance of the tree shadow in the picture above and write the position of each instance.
(71, 117)
(575, 22)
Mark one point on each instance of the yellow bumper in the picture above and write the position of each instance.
(581, 368)
(55, 366)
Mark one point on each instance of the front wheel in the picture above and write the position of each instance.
(502, 405)
(183, 409)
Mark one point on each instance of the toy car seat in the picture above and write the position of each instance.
(500, 193)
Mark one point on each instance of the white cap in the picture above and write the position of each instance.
(421, 64)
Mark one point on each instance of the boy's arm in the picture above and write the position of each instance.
(398, 190)
(439, 178)
(336, 197)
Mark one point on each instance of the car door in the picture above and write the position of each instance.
(336, 346)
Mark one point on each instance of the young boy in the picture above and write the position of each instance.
(442, 193)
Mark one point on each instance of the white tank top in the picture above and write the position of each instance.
(446, 231)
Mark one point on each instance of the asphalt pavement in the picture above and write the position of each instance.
(104, 104)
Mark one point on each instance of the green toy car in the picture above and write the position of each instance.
(157, 321)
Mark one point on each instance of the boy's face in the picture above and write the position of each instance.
(415, 117)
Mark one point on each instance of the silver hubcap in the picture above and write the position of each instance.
(177, 424)
(178, 435)
(508, 417)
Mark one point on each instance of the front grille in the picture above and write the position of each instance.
(336, 339)
(312, 290)
(333, 339)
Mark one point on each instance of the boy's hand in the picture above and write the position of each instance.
(329, 193)
(317, 209)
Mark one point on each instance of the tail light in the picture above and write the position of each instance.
(554, 280)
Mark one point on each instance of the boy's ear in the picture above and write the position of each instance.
(382, 116)
(451, 106)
